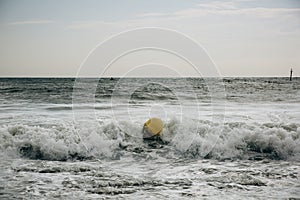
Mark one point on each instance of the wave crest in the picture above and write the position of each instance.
(193, 139)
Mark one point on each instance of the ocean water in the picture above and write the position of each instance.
(231, 138)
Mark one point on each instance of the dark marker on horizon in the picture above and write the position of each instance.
(291, 74)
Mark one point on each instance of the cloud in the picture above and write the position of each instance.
(218, 5)
(231, 8)
(222, 8)
(230, 13)
(31, 22)
(153, 14)
(90, 24)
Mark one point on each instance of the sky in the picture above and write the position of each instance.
(242, 37)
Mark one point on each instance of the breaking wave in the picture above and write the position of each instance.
(191, 139)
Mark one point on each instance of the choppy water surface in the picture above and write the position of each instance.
(240, 143)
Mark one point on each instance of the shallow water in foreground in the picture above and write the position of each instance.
(131, 179)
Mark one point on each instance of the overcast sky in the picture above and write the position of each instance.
(243, 37)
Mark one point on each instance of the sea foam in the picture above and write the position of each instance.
(194, 139)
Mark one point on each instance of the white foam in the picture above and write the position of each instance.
(198, 139)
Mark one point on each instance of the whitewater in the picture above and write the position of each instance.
(239, 140)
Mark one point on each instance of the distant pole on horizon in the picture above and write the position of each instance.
(291, 74)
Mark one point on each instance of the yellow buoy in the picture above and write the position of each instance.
(153, 126)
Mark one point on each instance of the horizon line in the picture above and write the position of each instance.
(148, 77)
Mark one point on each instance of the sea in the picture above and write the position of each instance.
(81, 138)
